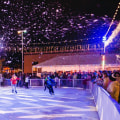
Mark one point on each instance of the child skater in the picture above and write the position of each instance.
(14, 83)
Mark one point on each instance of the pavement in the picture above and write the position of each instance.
(37, 104)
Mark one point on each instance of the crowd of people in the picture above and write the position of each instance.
(109, 80)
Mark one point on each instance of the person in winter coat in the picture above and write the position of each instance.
(26, 81)
(49, 84)
(45, 83)
(113, 88)
(105, 80)
(14, 83)
(56, 81)
(116, 75)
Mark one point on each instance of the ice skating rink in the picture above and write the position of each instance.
(37, 104)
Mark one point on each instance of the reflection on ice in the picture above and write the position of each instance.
(52, 116)
(50, 100)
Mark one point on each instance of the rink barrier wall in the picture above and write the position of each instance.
(107, 107)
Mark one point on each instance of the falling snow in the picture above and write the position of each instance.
(47, 22)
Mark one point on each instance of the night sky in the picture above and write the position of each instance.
(53, 21)
(98, 7)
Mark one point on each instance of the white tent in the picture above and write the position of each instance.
(76, 63)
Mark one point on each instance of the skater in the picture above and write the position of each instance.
(48, 84)
(45, 83)
(56, 81)
(14, 83)
(26, 81)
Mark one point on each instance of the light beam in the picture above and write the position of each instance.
(114, 34)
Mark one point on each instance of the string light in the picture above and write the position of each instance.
(114, 16)
(47, 43)
(65, 41)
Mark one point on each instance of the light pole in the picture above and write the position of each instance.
(21, 32)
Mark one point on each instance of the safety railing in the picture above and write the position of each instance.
(62, 83)
(6, 82)
(36, 82)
